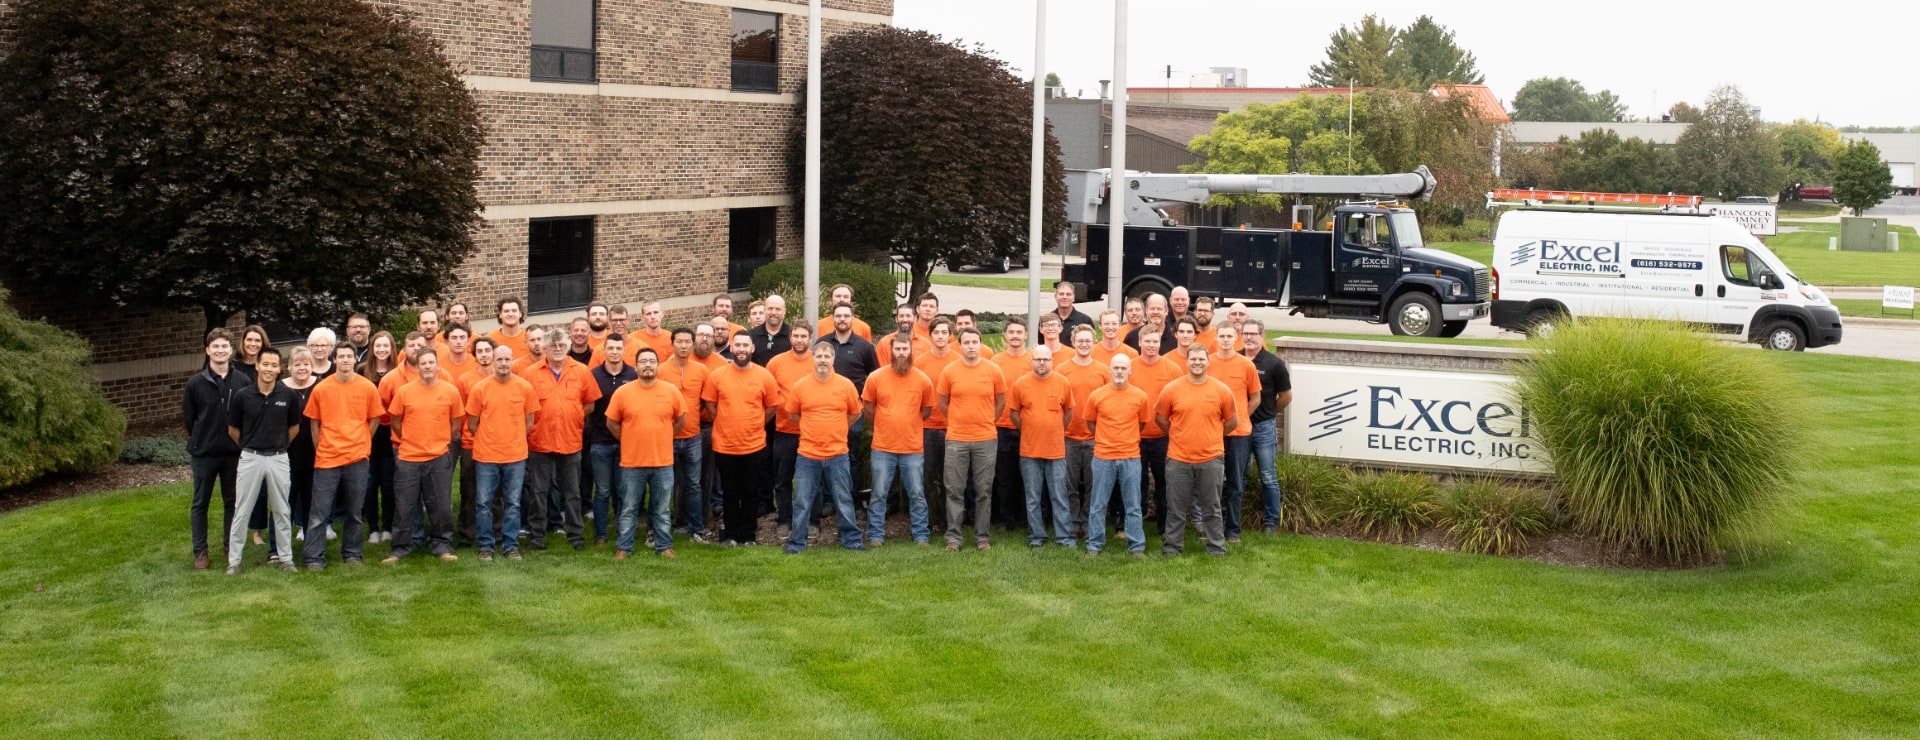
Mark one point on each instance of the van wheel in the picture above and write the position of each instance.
(1540, 322)
(1785, 336)
(1415, 315)
(1452, 329)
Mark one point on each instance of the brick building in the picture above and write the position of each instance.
(636, 149)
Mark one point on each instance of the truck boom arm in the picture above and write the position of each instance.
(1145, 194)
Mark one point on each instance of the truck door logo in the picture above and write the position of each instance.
(1372, 263)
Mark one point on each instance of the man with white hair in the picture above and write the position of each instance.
(566, 392)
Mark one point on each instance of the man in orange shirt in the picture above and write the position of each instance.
(1110, 341)
(650, 334)
(566, 391)
(647, 415)
(1117, 413)
(722, 309)
(824, 406)
(1050, 328)
(688, 375)
(427, 414)
(1229, 366)
(925, 308)
(1136, 316)
(707, 350)
(455, 353)
(510, 334)
(1009, 491)
(344, 408)
(903, 323)
(934, 436)
(1042, 406)
(838, 294)
(783, 446)
(500, 412)
(469, 485)
(1151, 375)
(963, 319)
(581, 347)
(1203, 324)
(899, 406)
(599, 324)
(617, 321)
(741, 397)
(1178, 301)
(1084, 376)
(972, 394)
(1197, 412)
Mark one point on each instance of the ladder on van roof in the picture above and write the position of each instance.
(1511, 197)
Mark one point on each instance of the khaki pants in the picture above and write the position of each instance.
(969, 461)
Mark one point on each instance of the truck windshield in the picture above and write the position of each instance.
(1406, 230)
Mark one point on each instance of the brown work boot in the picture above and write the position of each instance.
(667, 553)
(200, 561)
(621, 554)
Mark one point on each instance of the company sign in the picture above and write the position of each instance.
(1759, 219)
(1560, 257)
(1403, 416)
(1896, 296)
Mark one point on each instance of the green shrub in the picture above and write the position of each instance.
(401, 324)
(873, 289)
(1311, 490)
(156, 450)
(1388, 505)
(1492, 517)
(1665, 442)
(53, 417)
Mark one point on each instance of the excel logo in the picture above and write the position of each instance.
(1333, 414)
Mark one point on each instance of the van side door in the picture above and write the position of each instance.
(1737, 295)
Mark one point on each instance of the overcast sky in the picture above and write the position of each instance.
(1844, 62)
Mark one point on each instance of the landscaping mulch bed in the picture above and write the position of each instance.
(110, 478)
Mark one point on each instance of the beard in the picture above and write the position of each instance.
(740, 359)
(602, 326)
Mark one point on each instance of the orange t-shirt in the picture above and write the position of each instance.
(713, 361)
(451, 371)
(970, 393)
(662, 345)
(1102, 355)
(426, 414)
(340, 411)
(921, 345)
(824, 407)
(689, 380)
(1084, 380)
(1198, 413)
(464, 383)
(1152, 378)
(502, 409)
(1242, 378)
(741, 398)
(1117, 416)
(1012, 368)
(897, 400)
(1209, 340)
(1042, 404)
(860, 329)
(788, 368)
(518, 342)
(646, 422)
(932, 366)
(562, 420)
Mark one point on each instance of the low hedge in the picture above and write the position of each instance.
(873, 289)
(53, 416)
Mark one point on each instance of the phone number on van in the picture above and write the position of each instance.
(1668, 264)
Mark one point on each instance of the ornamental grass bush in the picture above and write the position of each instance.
(1388, 505)
(873, 289)
(1493, 517)
(1664, 442)
(53, 417)
(1310, 492)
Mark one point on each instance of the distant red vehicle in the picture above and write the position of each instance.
(1816, 192)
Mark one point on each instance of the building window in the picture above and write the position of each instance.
(756, 51)
(559, 264)
(563, 40)
(749, 243)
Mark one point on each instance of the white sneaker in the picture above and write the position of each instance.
(386, 536)
(300, 535)
(332, 535)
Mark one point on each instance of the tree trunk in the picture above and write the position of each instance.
(922, 282)
(216, 317)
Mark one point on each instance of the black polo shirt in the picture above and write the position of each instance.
(1274, 379)
(1167, 340)
(854, 358)
(263, 420)
(597, 432)
(1072, 320)
(768, 346)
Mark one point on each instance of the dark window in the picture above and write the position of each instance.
(756, 51)
(559, 264)
(749, 244)
(563, 40)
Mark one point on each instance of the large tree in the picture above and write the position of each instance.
(1562, 99)
(1861, 179)
(295, 160)
(1377, 55)
(1808, 151)
(1728, 152)
(1600, 161)
(1424, 54)
(925, 152)
(1360, 56)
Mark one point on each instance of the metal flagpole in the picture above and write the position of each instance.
(1116, 208)
(1036, 200)
(812, 211)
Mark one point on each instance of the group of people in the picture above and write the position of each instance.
(645, 430)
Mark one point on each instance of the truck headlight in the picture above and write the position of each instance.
(1812, 294)
(1458, 290)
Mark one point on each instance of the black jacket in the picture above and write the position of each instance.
(203, 410)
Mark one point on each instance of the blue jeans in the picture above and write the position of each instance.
(607, 475)
(1050, 475)
(656, 486)
(1266, 446)
(686, 471)
(912, 471)
(1233, 490)
(782, 448)
(1105, 474)
(807, 475)
(506, 480)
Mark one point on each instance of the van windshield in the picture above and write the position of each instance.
(1406, 230)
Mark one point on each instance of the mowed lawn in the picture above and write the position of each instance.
(104, 630)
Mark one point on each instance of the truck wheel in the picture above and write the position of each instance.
(1540, 321)
(1140, 290)
(1415, 315)
(1452, 329)
(1003, 266)
(1783, 335)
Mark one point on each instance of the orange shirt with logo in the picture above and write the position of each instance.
(1242, 378)
(562, 420)
(932, 366)
(688, 379)
(1103, 356)
(502, 409)
(1042, 403)
(1012, 368)
(788, 368)
(662, 344)
(646, 419)
(426, 415)
(824, 407)
(1151, 379)
(860, 328)
(970, 393)
(1084, 380)
(741, 398)
(897, 401)
(340, 412)
(1199, 414)
(1117, 416)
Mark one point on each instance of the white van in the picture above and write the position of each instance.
(1703, 270)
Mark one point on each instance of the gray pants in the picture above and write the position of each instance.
(1188, 483)
(349, 484)
(543, 468)
(274, 472)
(1079, 481)
(934, 470)
(430, 482)
(969, 461)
